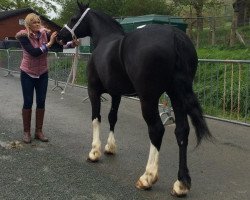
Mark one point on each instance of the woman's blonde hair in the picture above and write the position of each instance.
(29, 19)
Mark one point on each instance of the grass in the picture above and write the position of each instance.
(224, 53)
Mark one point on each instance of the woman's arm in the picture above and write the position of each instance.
(26, 44)
(71, 44)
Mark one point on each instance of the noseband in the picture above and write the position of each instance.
(72, 30)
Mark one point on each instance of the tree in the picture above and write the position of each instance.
(239, 18)
(5, 4)
(143, 7)
(117, 8)
(110, 7)
(199, 6)
(41, 6)
(68, 10)
(240, 6)
(131, 7)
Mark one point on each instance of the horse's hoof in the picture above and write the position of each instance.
(94, 156)
(92, 161)
(109, 153)
(146, 181)
(179, 189)
(139, 185)
(110, 149)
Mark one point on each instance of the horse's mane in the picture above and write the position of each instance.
(111, 21)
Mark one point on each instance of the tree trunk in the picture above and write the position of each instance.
(240, 5)
(198, 9)
(190, 24)
(234, 24)
(212, 29)
(198, 6)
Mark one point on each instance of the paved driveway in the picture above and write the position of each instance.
(58, 169)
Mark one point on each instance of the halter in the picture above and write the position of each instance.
(72, 30)
(73, 70)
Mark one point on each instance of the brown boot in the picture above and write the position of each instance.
(39, 135)
(26, 113)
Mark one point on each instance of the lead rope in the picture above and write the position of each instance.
(72, 74)
(75, 61)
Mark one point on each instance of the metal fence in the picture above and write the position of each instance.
(222, 86)
(59, 65)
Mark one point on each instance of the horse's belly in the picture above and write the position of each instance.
(120, 87)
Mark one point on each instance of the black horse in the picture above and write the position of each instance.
(146, 62)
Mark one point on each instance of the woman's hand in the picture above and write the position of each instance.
(52, 39)
(75, 43)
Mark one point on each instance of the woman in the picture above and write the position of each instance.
(35, 41)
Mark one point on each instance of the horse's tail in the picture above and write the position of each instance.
(186, 65)
(195, 113)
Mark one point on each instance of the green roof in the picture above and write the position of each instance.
(149, 18)
(132, 23)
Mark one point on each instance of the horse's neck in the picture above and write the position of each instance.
(101, 30)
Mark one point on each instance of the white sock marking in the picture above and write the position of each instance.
(111, 146)
(95, 152)
(151, 173)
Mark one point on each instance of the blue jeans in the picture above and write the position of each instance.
(30, 84)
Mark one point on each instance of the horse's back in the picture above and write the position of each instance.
(158, 40)
(151, 55)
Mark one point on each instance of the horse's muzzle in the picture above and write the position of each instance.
(60, 41)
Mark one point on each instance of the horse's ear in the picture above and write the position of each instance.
(79, 5)
(82, 6)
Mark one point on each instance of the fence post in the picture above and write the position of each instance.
(224, 90)
(56, 75)
(232, 83)
(239, 86)
(8, 63)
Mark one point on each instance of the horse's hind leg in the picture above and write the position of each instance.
(95, 98)
(182, 186)
(156, 130)
(110, 147)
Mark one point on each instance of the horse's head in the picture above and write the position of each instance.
(76, 26)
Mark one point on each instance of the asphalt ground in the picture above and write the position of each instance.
(58, 169)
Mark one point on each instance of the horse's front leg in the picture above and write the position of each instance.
(110, 147)
(156, 130)
(95, 153)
